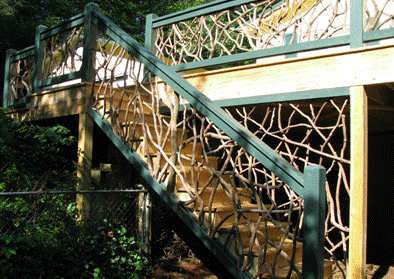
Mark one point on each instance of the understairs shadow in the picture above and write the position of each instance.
(381, 272)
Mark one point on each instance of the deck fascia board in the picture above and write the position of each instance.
(347, 68)
(55, 102)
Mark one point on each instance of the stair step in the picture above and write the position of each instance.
(187, 160)
(137, 132)
(127, 94)
(199, 176)
(221, 211)
(129, 116)
(221, 196)
(271, 254)
(267, 229)
(283, 271)
(187, 149)
(124, 105)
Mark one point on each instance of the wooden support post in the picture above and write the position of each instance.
(7, 86)
(358, 182)
(150, 33)
(84, 168)
(144, 222)
(89, 44)
(38, 59)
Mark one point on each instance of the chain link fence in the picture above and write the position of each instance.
(22, 212)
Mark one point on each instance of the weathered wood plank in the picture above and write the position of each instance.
(49, 111)
(58, 97)
(358, 182)
(57, 102)
(84, 167)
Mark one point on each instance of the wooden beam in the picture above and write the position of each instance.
(369, 65)
(84, 167)
(358, 182)
(56, 102)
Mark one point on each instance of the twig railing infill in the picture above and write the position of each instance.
(131, 86)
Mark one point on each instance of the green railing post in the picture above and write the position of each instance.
(150, 34)
(313, 226)
(89, 44)
(7, 74)
(357, 23)
(38, 59)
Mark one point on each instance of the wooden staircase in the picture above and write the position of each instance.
(265, 246)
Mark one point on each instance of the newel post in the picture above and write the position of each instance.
(313, 226)
(7, 92)
(39, 56)
(150, 34)
(89, 44)
(357, 23)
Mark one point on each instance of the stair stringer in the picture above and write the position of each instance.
(185, 224)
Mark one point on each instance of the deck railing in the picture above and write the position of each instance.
(90, 48)
(239, 31)
(55, 58)
(208, 36)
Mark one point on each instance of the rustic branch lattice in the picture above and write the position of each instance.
(254, 26)
(227, 188)
(21, 77)
(379, 14)
(63, 53)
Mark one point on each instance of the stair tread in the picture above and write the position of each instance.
(197, 158)
(227, 207)
(287, 244)
(244, 227)
(146, 97)
(271, 252)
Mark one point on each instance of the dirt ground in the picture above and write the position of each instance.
(378, 272)
(193, 269)
(181, 269)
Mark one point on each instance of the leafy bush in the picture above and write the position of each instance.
(40, 235)
(33, 157)
(79, 251)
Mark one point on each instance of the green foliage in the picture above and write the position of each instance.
(88, 250)
(185, 4)
(31, 156)
(19, 18)
(40, 235)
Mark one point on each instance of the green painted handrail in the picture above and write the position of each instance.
(209, 8)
